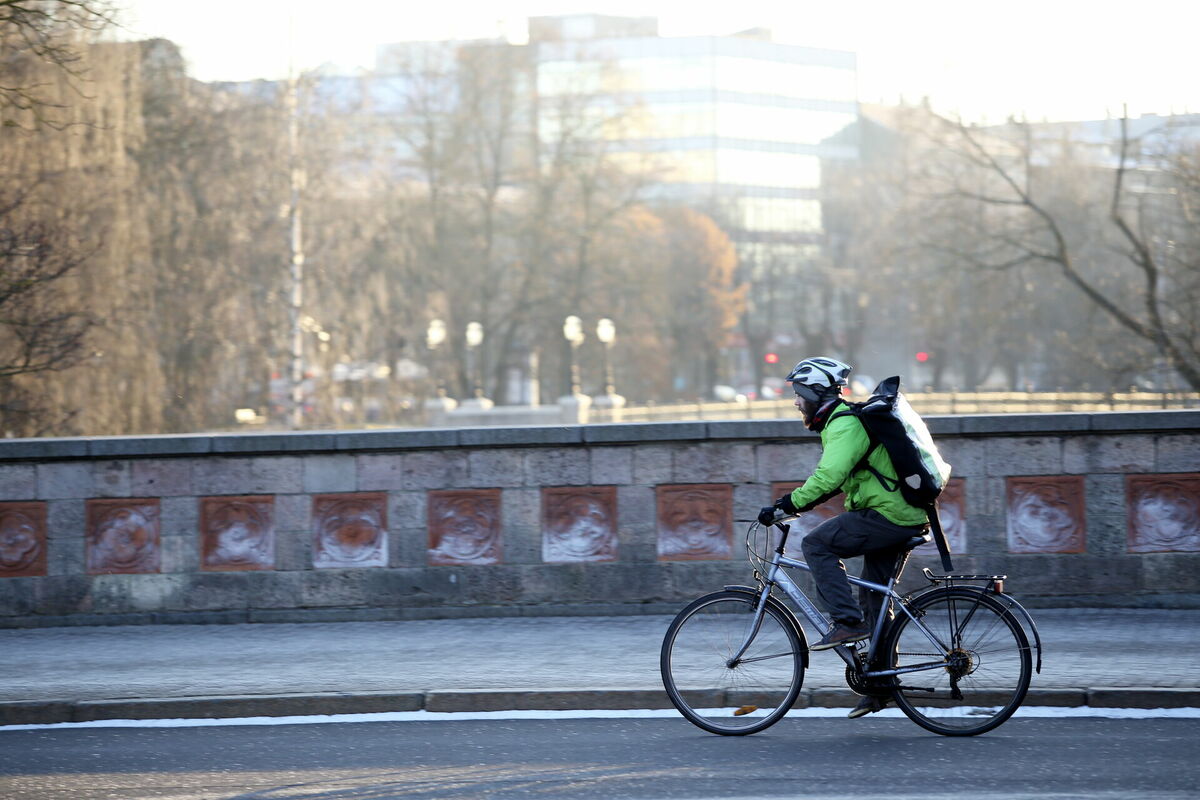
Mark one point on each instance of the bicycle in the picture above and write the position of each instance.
(733, 661)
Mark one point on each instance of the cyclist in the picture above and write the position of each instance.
(876, 521)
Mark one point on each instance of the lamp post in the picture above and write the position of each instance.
(435, 337)
(573, 333)
(474, 339)
(574, 405)
(606, 332)
(474, 368)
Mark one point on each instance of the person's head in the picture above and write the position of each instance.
(817, 381)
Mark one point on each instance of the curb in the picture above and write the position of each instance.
(38, 712)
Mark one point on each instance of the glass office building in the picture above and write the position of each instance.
(735, 125)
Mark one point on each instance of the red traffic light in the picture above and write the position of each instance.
(771, 358)
(922, 356)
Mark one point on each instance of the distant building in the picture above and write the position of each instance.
(736, 126)
(736, 122)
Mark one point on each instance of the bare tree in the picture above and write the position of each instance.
(701, 296)
(1027, 228)
(43, 324)
(1151, 218)
(44, 32)
(39, 332)
(211, 175)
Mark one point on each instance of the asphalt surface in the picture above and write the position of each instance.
(597, 759)
(1141, 658)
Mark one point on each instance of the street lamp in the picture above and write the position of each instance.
(435, 337)
(606, 332)
(435, 334)
(474, 339)
(573, 333)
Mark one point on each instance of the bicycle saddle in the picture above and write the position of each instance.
(917, 541)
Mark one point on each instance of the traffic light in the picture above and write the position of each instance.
(922, 356)
(771, 358)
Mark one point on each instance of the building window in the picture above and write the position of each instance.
(764, 168)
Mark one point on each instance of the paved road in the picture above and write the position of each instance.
(620, 759)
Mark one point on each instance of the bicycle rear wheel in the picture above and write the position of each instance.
(984, 662)
(740, 698)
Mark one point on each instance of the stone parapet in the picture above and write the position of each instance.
(621, 518)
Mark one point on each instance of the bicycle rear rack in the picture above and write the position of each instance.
(994, 585)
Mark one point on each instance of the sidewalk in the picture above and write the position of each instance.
(1141, 658)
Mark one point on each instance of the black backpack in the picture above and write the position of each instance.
(890, 422)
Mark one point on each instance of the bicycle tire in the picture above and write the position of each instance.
(990, 656)
(750, 696)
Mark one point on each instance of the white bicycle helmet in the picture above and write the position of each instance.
(813, 378)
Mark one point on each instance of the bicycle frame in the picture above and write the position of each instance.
(777, 576)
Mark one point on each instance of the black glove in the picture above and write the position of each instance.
(766, 515)
(784, 504)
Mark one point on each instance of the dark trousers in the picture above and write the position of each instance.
(863, 533)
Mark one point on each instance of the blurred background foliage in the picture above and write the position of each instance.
(145, 252)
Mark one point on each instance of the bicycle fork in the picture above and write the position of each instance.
(759, 609)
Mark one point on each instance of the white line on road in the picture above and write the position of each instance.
(467, 716)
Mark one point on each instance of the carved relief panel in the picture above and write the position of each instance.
(464, 527)
(952, 511)
(123, 536)
(1164, 513)
(350, 530)
(22, 539)
(695, 522)
(579, 523)
(1045, 514)
(237, 533)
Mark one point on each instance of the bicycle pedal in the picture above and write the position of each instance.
(745, 710)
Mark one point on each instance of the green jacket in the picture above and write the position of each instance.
(843, 442)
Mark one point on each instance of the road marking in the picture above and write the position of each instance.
(1027, 712)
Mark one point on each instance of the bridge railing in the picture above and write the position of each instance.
(925, 402)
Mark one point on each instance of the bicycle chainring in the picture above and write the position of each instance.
(866, 687)
(856, 682)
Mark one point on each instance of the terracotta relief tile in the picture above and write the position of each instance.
(22, 539)
(464, 527)
(123, 536)
(237, 533)
(350, 530)
(695, 522)
(579, 523)
(810, 519)
(952, 511)
(1045, 514)
(1164, 513)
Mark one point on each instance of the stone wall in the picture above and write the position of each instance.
(601, 519)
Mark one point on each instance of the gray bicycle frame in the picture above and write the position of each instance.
(776, 576)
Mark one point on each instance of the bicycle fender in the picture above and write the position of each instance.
(787, 614)
(1037, 637)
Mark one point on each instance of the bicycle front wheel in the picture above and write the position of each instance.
(718, 694)
(982, 659)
